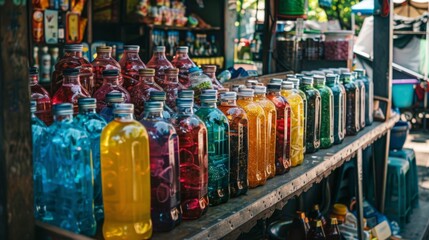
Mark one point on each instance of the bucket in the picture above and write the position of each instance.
(399, 134)
(403, 92)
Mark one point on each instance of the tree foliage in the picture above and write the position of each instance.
(340, 9)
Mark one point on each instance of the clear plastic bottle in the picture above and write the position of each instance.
(273, 166)
(73, 59)
(239, 143)
(296, 84)
(361, 85)
(352, 112)
(93, 124)
(112, 98)
(183, 62)
(68, 172)
(164, 167)
(210, 70)
(218, 148)
(313, 114)
(162, 97)
(125, 173)
(257, 161)
(327, 106)
(110, 84)
(296, 122)
(131, 64)
(198, 81)
(339, 107)
(41, 96)
(369, 96)
(140, 93)
(193, 150)
(160, 63)
(70, 90)
(104, 61)
(171, 86)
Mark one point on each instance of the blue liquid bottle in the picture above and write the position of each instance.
(112, 98)
(93, 124)
(164, 167)
(69, 174)
(218, 148)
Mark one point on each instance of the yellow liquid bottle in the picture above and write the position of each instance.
(297, 122)
(270, 124)
(257, 160)
(125, 173)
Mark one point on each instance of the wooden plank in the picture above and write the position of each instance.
(16, 185)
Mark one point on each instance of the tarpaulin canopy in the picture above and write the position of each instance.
(365, 7)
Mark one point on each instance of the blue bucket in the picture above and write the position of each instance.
(399, 134)
(403, 92)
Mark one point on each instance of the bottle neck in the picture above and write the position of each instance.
(229, 103)
(245, 98)
(275, 93)
(182, 55)
(132, 55)
(105, 55)
(185, 110)
(147, 80)
(112, 80)
(123, 116)
(153, 115)
(170, 78)
(86, 111)
(33, 79)
(71, 80)
(63, 117)
(159, 55)
(208, 105)
(73, 54)
(260, 95)
(319, 84)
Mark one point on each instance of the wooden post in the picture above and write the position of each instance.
(16, 184)
(269, 36)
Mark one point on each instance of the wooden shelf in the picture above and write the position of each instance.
(182, 28)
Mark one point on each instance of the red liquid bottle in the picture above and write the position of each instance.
(130, 65)
(210, 70)
(41, 96)
(71, 90)
(171, 86)
(104, 61)
(160, 63)
(110, 84)
(183, 62)
(73, 59)
(193, 151)
(140, 93)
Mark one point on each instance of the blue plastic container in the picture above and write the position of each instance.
(403, 92)
(399, 134)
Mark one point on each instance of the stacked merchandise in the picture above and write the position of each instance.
(148, 145)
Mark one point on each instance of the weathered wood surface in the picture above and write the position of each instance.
(16, 190)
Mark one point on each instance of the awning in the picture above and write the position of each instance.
(365, 7)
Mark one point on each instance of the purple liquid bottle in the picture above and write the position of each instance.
(172, 86)
(41, 96)
(160, 63)
(140, 93)
(183, 62)
(131, 64)
(104, 61)
(111, 84)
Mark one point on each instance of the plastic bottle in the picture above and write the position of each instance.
(162, 97)
(104, 61)
(296, 122)
(165, 168)
(171, 86)
(339, 107)
(296, 84)
(313, 115)
(41, 96)
(93, 124)
(239, 143)
(369, 96)
(160, 63)
(112, 98)
(184, 63)
(193, 150)
(210, 70)
(140, 93)
(352, 104)
(218, 148)
(273, 166)
(257, 163)
(125, 173)
(70, 90)
(327, 107)
(198, 81)
(68, 170)
(361, 85)
(110, 84)
(131, 64)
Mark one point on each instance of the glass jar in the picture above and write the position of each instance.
(313, 115)
(339, 107)
(327, 106)
(352, 104)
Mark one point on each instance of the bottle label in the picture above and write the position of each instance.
(37, 26)
(51, 26)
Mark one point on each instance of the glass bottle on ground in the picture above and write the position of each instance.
(162, 97)
(110, 84)
(218, 148)
(361, 86)
(73, 59)
(41, 96)
(369, 96)
(104, 61)
(112, 98)
(210, 70)
(131, 64)
(239, 143)
(70, 90)
(171, 86)
(160, 63)
(313, 115)
(164, 167)
(352, 110)
(271, 129)
(296, 83)
(140, 93)
(339, 107)
(327, 106)
(183, 62)
(193, 151)
(296, 122)
(125, 173)
(68, 187)
(93, 124)
(257, 161)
